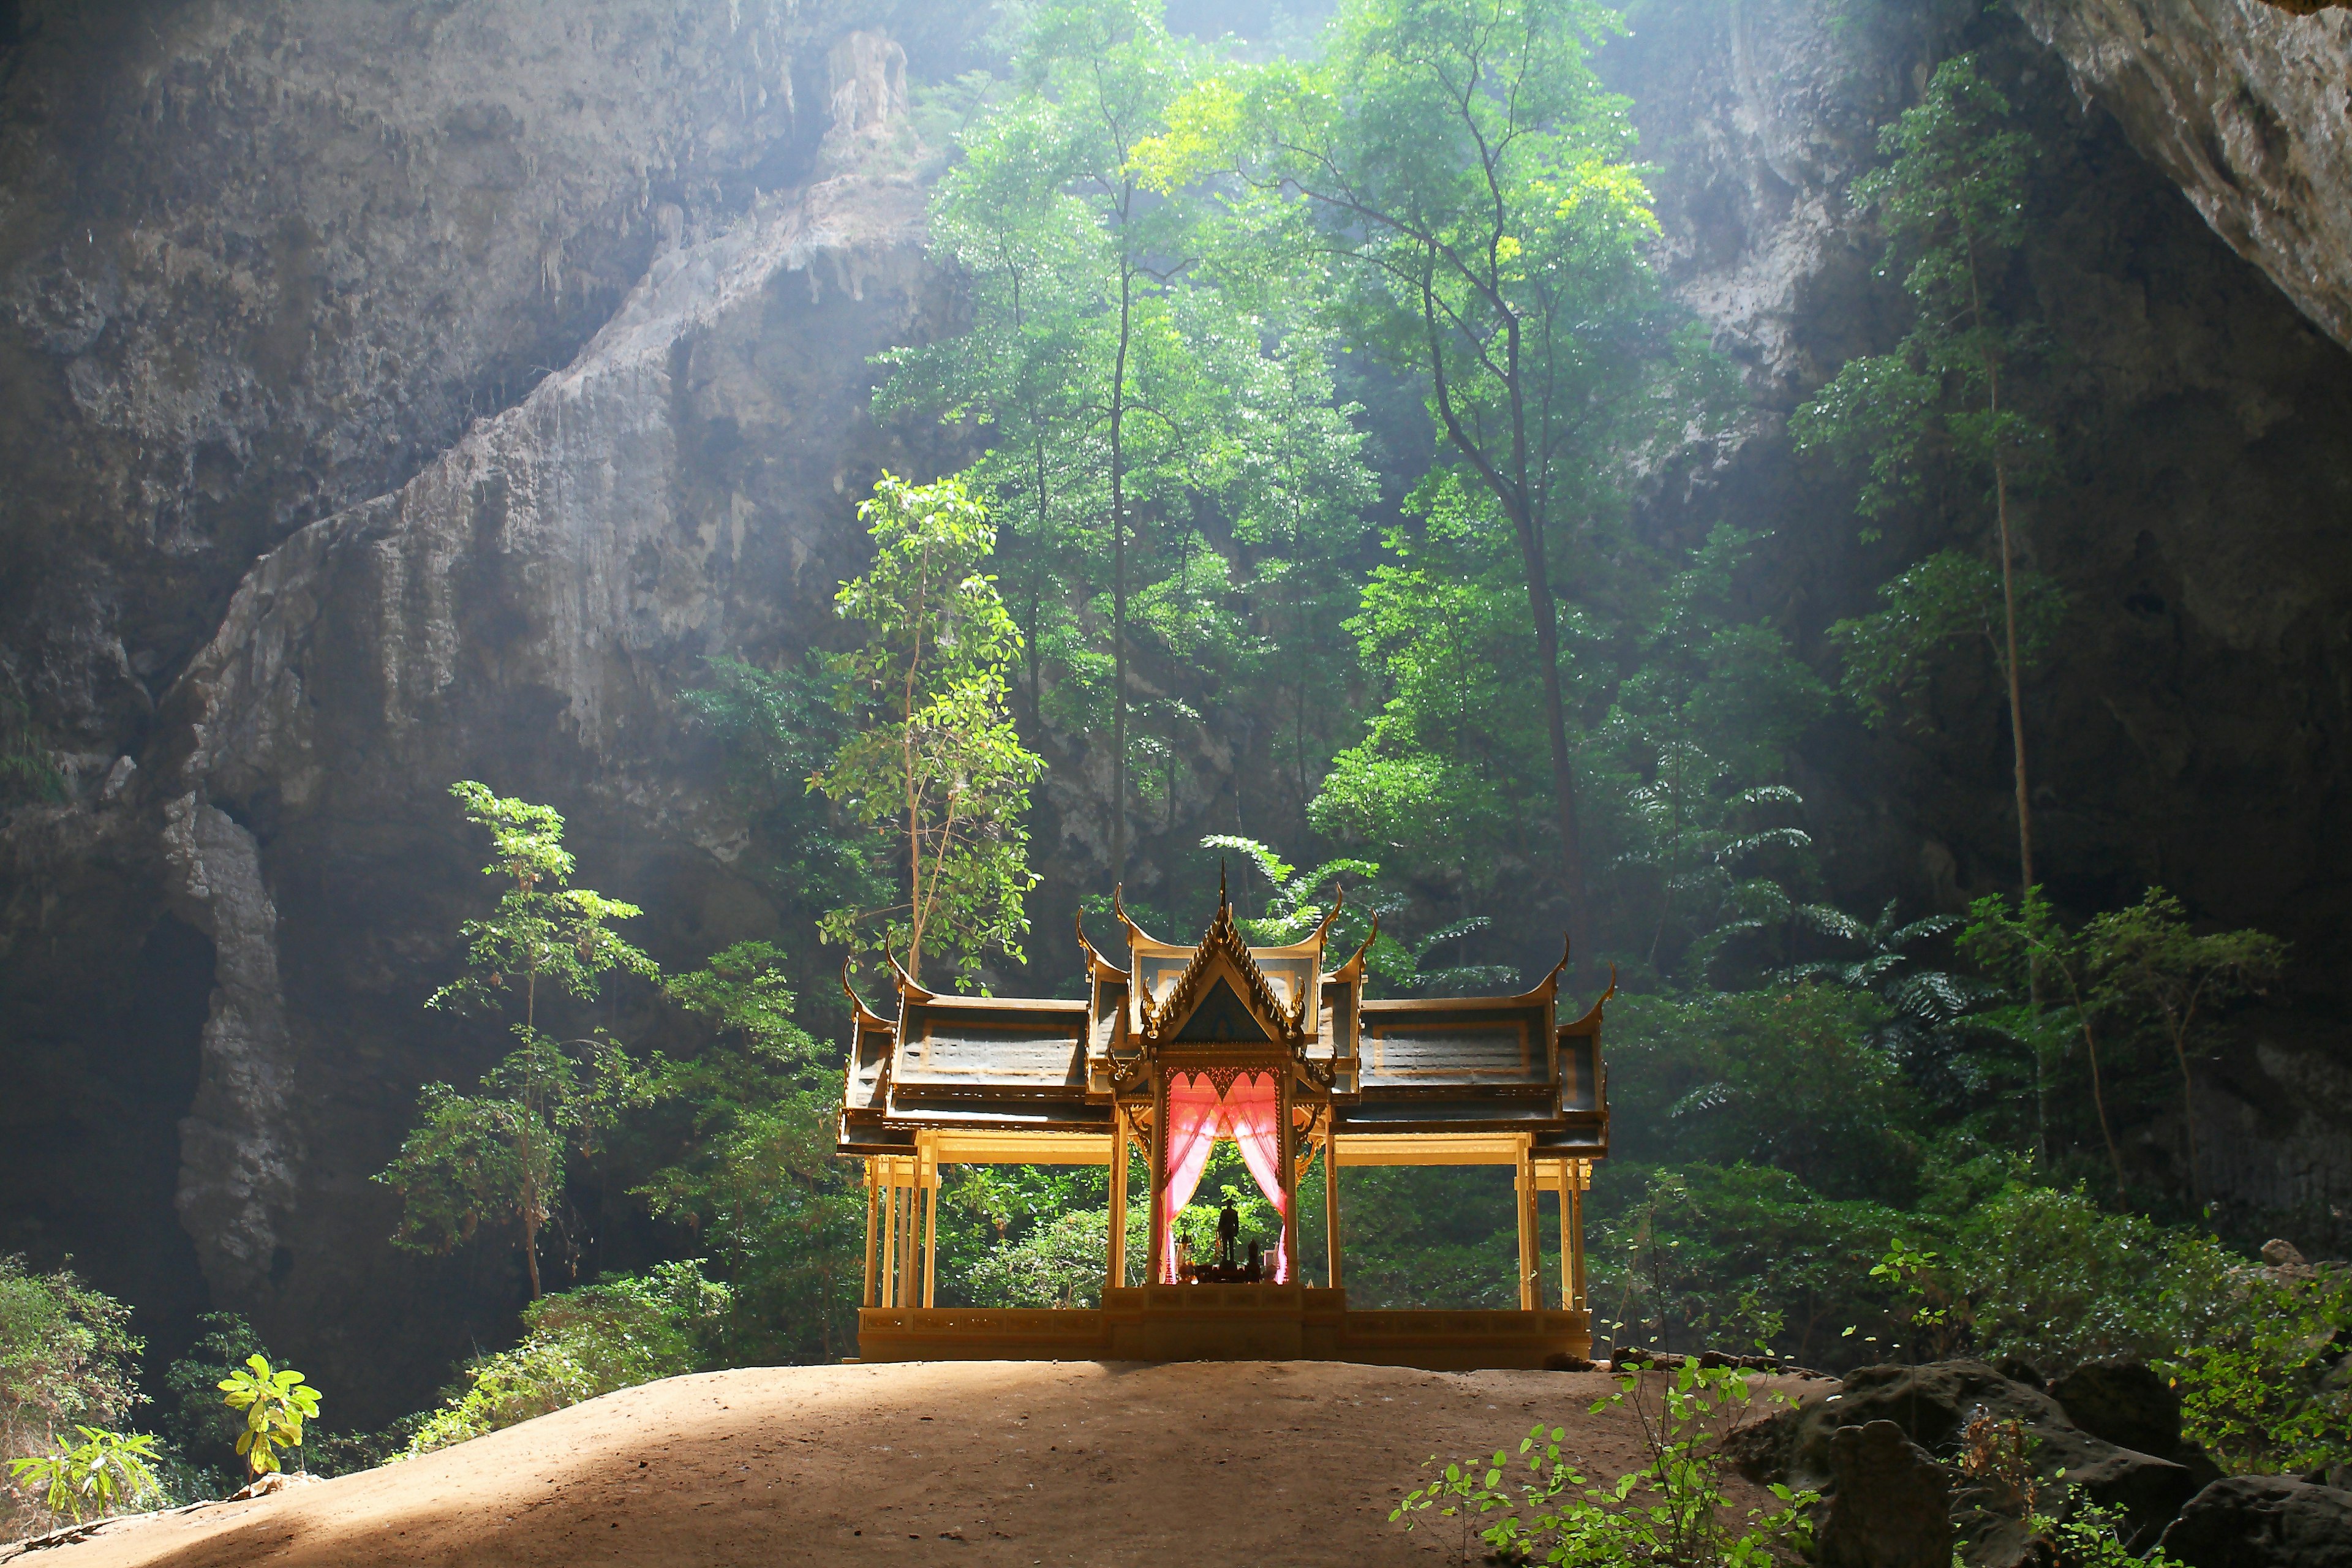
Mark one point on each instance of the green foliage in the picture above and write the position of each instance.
(1174, 477)
(1297, 901)
(496, 1157)
(1952, 200)
(1797, 1078)
(29, 772)
(1673, 1509)
(1948, 599)
(755, 1175)
(2272, 1393)
(936, 761)
(1458, 171)
(578, 1344)
(2137, 984)
(1061, 1261)
(2053, 1277)
(67, 1355)
(275, 1402)
(92, 1478)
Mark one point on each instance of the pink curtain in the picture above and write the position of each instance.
(1252, 1114)
(1193, 1124)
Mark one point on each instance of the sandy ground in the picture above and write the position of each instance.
(1022, 1463)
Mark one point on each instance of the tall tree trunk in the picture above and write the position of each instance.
(1118, 579)
(530, 1245)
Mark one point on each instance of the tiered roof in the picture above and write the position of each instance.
(1390, 1069)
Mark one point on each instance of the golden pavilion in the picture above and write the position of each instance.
(1184, 1046)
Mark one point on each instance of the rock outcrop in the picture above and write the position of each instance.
(2263, 1521)
(2242, 104)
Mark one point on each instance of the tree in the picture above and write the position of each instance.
(755, 1172)
(276, 1404)
(936, 761)
(1953, 198)
(2149, 960)
(2125, 974)
(496, 1156)
(1457, 161)
(1138, 373)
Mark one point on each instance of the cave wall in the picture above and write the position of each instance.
(434, 387)
(2192, 732)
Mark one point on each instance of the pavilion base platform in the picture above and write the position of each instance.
(1227, 1322)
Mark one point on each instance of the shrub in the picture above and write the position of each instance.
(89, 1478)
(2273, 1393)
(2054, 1279)
(1672, 1510)
(67, 1359)
(578, 1344)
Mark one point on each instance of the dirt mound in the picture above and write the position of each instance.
(1017, 1463)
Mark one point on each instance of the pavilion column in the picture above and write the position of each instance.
(929, 1170)
(1523, 1192)
(1115, 1255)
(1331, 1197)
(911, 1207)
(889, 1278)
(1153, 1267)
(872, 1196)
(1576, 1177)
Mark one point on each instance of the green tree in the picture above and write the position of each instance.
(1457, 161)
(1953, 202)
(755, 1173)
(936, 761)
(276, 1405)
(2125, 977)
(1143, 380)
(2151, 963)
(496, 1156)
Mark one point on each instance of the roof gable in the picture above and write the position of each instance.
(1222, 1017)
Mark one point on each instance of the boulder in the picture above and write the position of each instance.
(1890, 1504)
(2263, 1521)
(1932, 1405)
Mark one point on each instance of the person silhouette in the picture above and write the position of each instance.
(1229, 1231)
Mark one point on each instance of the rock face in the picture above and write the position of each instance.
(524, 609)
(2263, 1521)
(1889, 1506)
(2242, 103)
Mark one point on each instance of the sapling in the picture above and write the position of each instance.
(88, 1479)
(276, 1404)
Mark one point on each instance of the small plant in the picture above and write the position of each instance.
(1671, 1511)
(89, 1478)
(1997, 1458)
(276, 1404)
(2091, 1537)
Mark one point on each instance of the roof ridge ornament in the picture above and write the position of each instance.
(1353, 969)
(1592, 1013)
(906, 987)
(1549, 986)
(866, 1016)
(1098, 967)
(1135, 934)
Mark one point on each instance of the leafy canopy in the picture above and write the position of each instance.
(936, 759)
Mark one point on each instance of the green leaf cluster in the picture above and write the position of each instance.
(936, 761)
(93, 1477)
(276, 1404)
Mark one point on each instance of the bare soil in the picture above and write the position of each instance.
(1016, 1463)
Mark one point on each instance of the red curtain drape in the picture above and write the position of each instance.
(1250, 1113)
(1252, 1116)
(1192, 1126)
